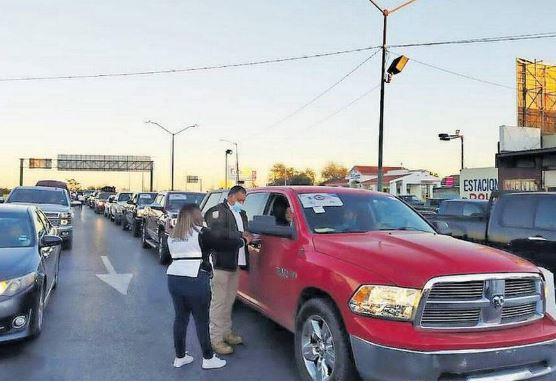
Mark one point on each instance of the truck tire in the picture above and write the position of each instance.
(136, 228)
(144, 242)
(327, 351)
(163, 252)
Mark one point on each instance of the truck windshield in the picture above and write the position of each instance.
(358, 213)
(177, 200)
(39, 196)
(103, 196)
(145, 198)
(15, 230)
(124, 197)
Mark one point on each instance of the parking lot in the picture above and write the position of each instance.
(93, 332)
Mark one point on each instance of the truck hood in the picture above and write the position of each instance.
(47, 208)
(410, 259)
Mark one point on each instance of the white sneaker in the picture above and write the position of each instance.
(178, 362)
(214, 362)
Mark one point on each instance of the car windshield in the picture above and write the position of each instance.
(328, 213)
(16, 230)
(145, 199)
(39, 196)
(124, 197)
(177, 200)
(104, 195)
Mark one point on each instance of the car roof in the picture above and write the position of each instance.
(317, 189)
(15, 208)
(45, 188)
(467, 200)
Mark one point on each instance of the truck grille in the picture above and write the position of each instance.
(481, 301)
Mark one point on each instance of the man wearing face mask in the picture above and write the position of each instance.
(228, 221)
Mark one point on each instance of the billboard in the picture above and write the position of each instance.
(40, 163)
(104, 163)
(478, 183)
(536, 95)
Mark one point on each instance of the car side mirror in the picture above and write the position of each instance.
(50, 240)
(266, 224)
(442, 228)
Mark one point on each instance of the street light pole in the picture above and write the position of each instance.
(237, 158)
(173, 134)
(228, 152)
(449, 137)
(385, 13)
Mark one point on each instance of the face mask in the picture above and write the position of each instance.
(237, 207)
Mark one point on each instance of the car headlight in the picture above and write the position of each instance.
(13, 286)
(386, 302)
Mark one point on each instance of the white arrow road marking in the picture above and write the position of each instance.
(118, 281)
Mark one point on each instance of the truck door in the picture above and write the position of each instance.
(251, 280)
(525, 225)
(277, 264)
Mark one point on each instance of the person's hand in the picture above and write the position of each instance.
(247, 236)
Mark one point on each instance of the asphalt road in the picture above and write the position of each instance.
(93, 332)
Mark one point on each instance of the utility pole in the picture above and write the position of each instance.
(385, 13)
(21, 171)
(173, 134)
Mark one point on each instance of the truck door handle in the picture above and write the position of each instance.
(538, 238)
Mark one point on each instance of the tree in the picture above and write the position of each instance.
(280, 174)
(73, 185)
(333, 171)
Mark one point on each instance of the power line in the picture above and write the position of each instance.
(191, 69)
(479, 40)
(340, 110)
(462, 75)
(278, 60)
(321, 94)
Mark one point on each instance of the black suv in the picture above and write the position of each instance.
(160, 217)
(133, 210)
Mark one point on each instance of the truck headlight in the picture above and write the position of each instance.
(65, 215)
(11, 287)
(173, 222)
(64, 222)
(140, 212)
(386, 302)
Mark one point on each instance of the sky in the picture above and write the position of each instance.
(106, 115)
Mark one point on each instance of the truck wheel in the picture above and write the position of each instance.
(144, 238)
(135, 228)
(322, 348)
(163, 253)
(67, 244)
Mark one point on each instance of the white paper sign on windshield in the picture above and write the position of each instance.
(320, 200)
(177, 197)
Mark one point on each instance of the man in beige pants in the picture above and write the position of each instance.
(227, 220)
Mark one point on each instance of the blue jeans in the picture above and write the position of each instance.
(191, 296)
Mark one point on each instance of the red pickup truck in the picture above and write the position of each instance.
(371, 289)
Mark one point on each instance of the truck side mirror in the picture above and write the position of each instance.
(266, 224)
(442, 228)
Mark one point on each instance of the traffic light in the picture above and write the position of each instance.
(444, 137)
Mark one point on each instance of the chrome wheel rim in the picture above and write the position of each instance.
(317, 348)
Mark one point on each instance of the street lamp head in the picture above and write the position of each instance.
(229, 151)
(397, 65)
(444, 137)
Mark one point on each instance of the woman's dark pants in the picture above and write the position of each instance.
(191, 296)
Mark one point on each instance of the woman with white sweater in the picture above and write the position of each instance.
(190, 245)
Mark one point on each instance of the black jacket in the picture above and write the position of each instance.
(220, 219)
(210, 242)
